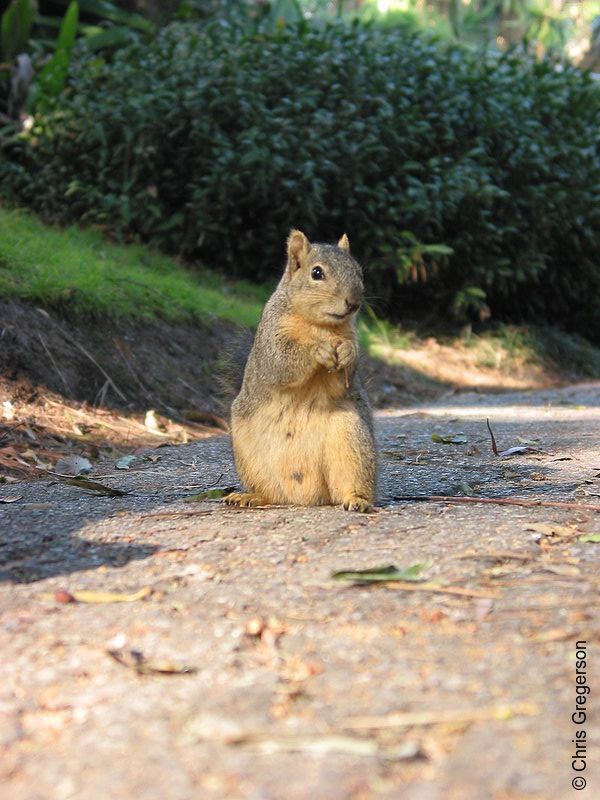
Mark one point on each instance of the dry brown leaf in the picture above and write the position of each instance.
(551, 529)
(91, 596)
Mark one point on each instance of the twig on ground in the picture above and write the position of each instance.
(10, 430)
(494, 448)
(129, 367)
(502, 501)
(54, 364)
(437, 588)
(95, 363)
(401, 719)
(176, 514)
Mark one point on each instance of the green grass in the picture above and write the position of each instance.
(80, 274)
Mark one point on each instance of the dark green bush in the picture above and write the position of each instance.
(214, 141)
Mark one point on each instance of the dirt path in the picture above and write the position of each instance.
(285, 683)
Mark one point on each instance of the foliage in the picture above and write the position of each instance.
(42, 48)
(51, 80)
(15, 26)
(478, 175)
(542, 25)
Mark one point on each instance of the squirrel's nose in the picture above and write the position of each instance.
(352, 307)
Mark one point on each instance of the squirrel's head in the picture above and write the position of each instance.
(325, 282)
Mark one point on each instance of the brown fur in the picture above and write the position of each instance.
(301, 425)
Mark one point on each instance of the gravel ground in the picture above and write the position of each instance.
(243, 670)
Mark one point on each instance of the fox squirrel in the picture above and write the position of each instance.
(301, 426)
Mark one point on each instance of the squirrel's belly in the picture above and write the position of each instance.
(279, 452)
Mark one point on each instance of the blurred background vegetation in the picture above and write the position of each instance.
(458, 143)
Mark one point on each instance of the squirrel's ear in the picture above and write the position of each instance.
(344, 244)
(298, 248)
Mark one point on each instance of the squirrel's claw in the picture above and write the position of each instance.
(346, 354)
(244, 499)
(357, 503)
(325, 354)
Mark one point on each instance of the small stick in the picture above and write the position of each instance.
(177, 514)
(494, 448)
(501, 501)
(54, 364)
(409, 718)
(109, 380)
(10, 430)
(437, 588)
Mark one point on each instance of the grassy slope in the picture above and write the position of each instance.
(79, 273)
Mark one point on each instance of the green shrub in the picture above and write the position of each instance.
(215, 139)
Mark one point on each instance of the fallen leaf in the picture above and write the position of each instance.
(551, 529)
(73, 465)
(590, 537)
(91, 596)
(92, 486)
(136, 660)
(314, 745)
(11, 499)
(514, 450)
(466, 489)
(391, 455)
(378, 574)
(458, 438)
(124, 462)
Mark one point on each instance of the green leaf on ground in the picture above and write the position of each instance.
(458, 438)
(590, 537)
(386, 573)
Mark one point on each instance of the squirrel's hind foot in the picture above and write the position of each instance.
(245, 499)
(357, 503)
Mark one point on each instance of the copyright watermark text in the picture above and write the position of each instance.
(579, 717)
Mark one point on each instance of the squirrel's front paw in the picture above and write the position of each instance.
(357, 503)
(346, 353)
(244, 499)
(326, 355)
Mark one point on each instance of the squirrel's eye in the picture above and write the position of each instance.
(317, 274)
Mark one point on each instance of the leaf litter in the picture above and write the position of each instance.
(91, 486)
(456, 438)
(408, 580)
(385, 573)
(511, 451)
(93, 596)
(137, 661)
